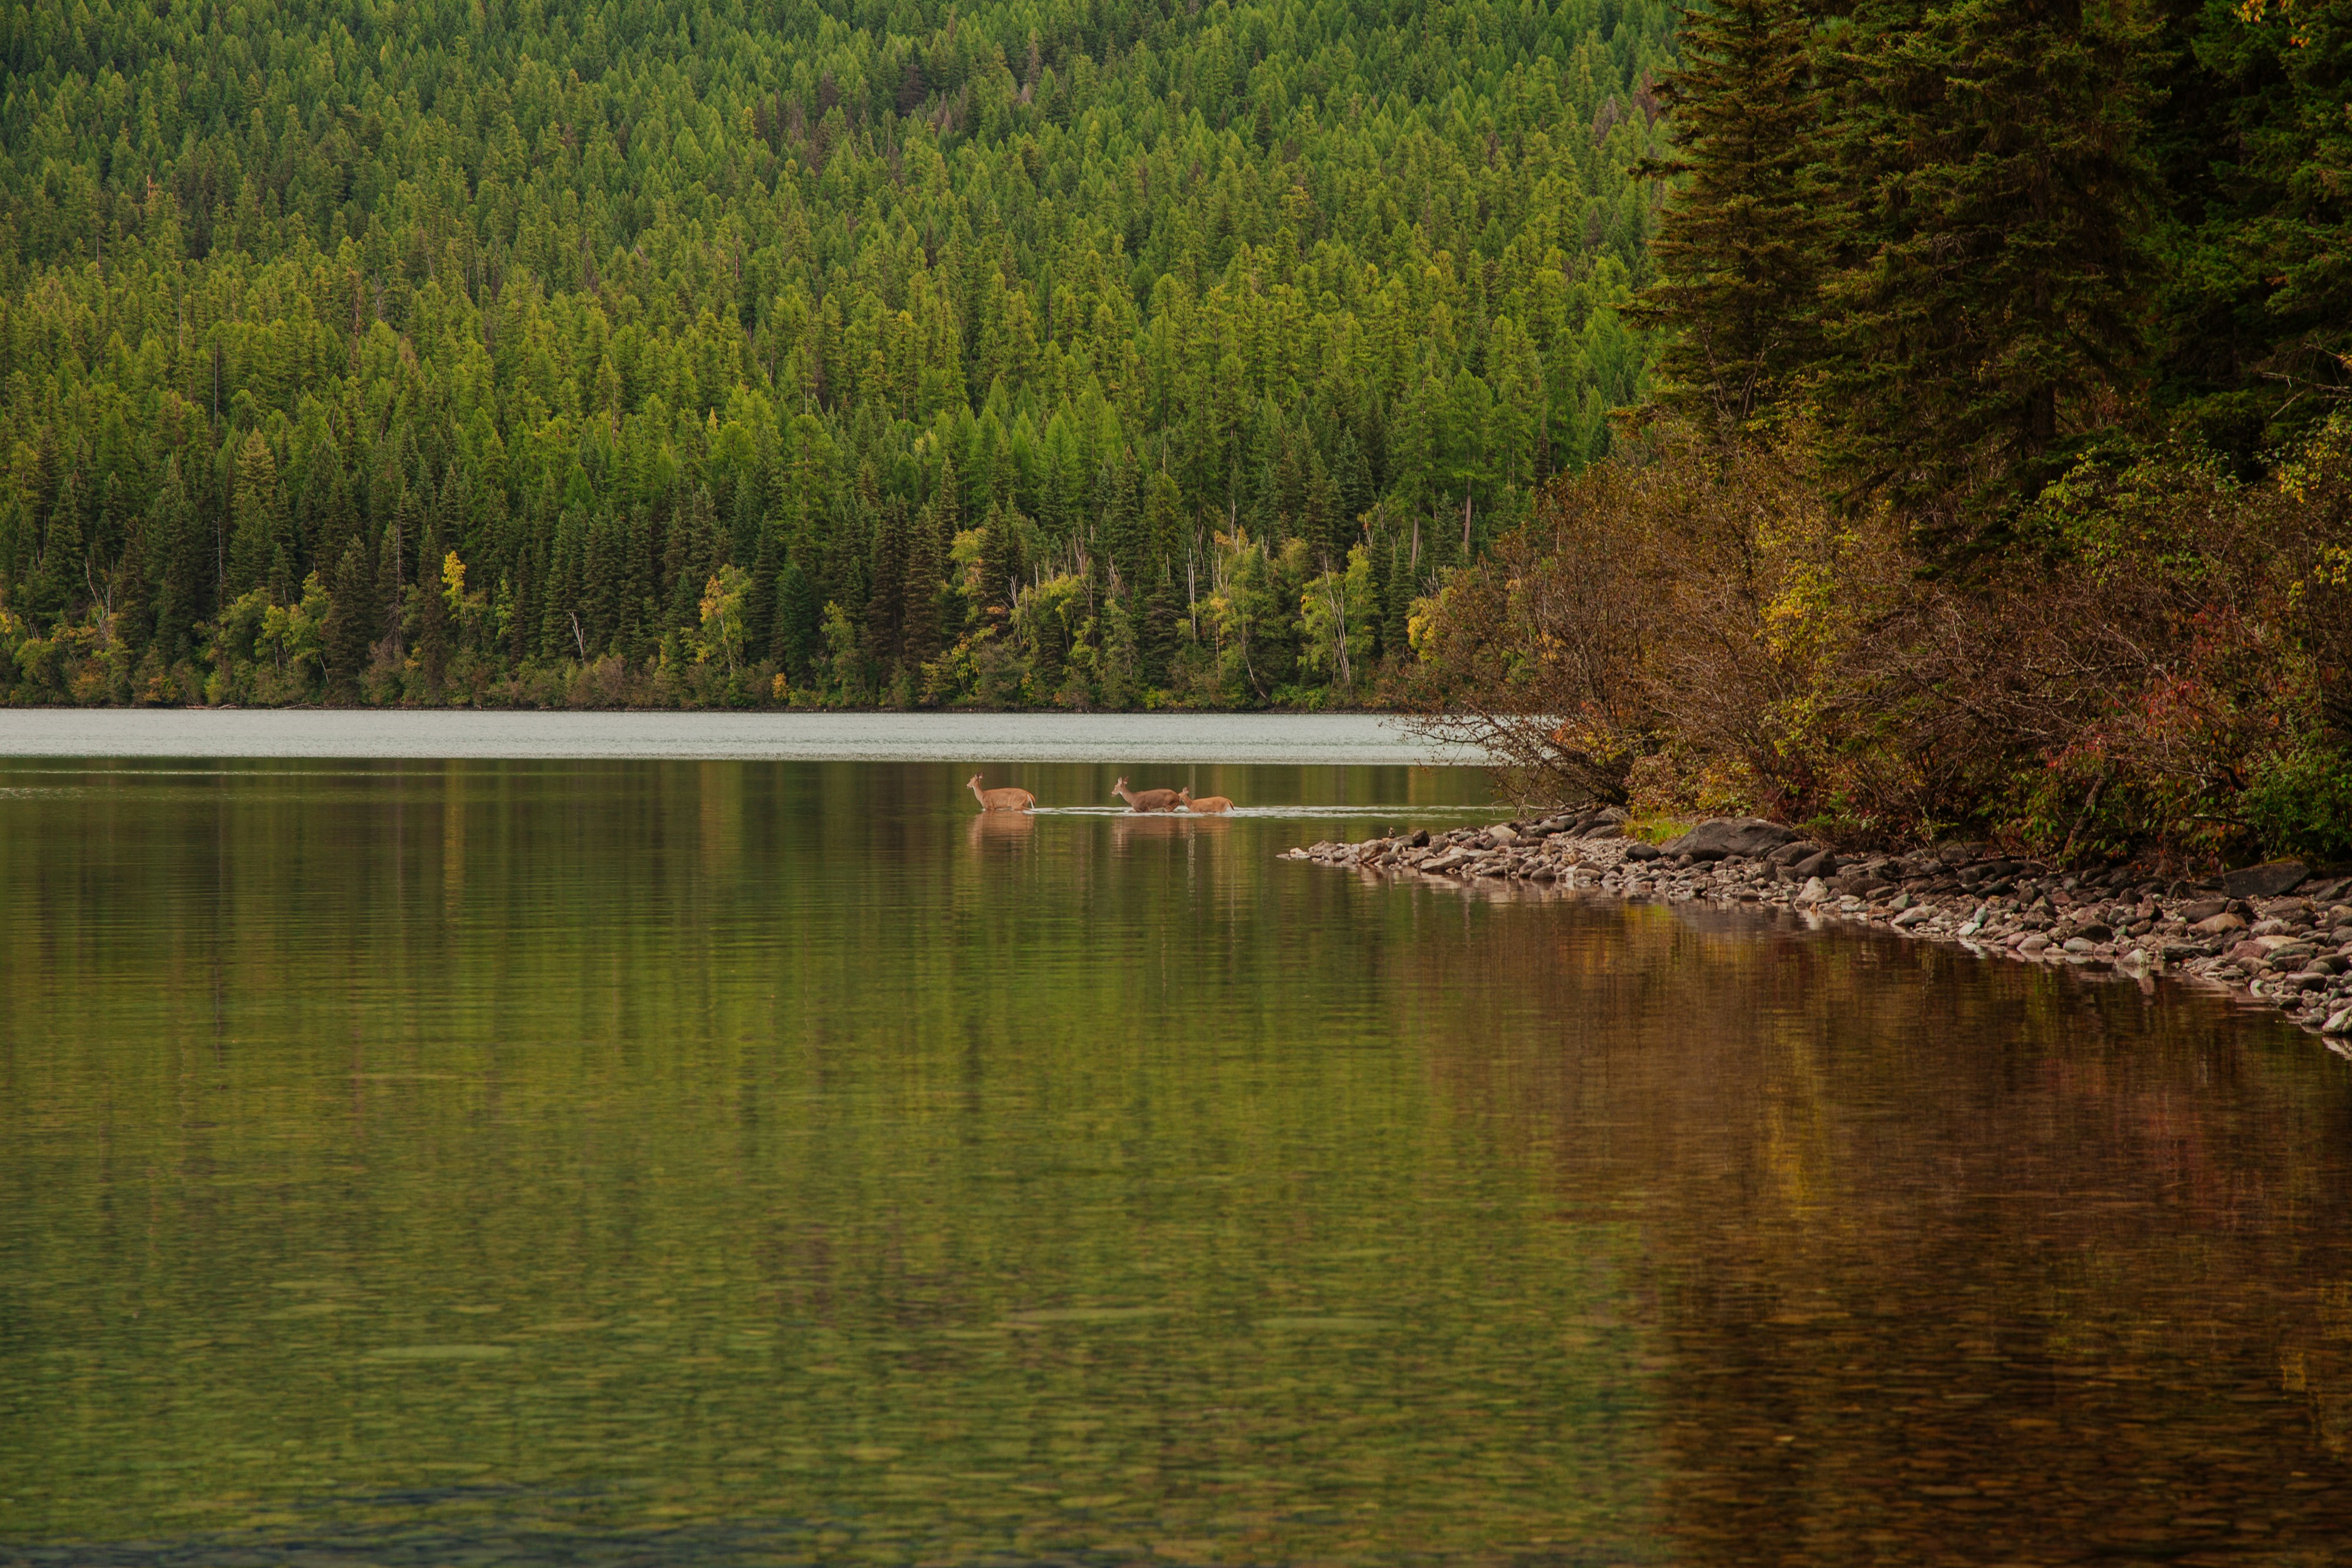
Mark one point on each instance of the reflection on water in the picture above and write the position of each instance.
(732, 1163)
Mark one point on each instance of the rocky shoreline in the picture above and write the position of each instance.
(2275, 933)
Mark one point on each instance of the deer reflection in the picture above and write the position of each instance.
(1000, 828)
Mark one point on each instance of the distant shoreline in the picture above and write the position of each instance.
(1341, 739)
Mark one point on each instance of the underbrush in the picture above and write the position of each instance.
(2152, 662)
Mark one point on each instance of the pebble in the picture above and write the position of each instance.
(2292, 952)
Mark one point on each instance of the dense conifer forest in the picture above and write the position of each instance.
(540, 352)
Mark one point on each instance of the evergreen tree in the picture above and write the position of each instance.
(391, 569)
(350, 631)
(1000, 564)
(1744, 242)
(133, 610)
(254, 543)
(1999, 209)
(177, 559)
(690, 556)
(885, 605)
(1156, 650)
(799, 617)
(58, 580)
(927, 562)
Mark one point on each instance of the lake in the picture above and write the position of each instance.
(730, 1162)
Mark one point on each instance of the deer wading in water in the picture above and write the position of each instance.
(1006, 800)
(1147, 799)
(1207, 805)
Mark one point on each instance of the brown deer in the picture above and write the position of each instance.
(1007, 799)
(1147, 800)
(1207, 805)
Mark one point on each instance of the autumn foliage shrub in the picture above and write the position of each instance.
(2154, 662)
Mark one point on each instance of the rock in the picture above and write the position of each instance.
(2092, 931)
(1813, 891)
(2339, 1023)
(2077, 944)
(1637, 851)
(2203, 909)
(1605, 830)
(2215, 924)
(1918, 914)
(2269, 880)
(2032, 942)
(1502, 835)
(1419, 837)
(1820, 865)
(1721, 836)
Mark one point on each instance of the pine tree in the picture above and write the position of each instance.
(254, 543)
(350, 631)
(1323, 520)
(690, 556)
(799, 617)
(1745, 234)
(391, 569)
(176, 556)
(58, 583)
(1999, 205)
(1000, 564)
(133, 611)
(927, 564)
(886, 604)
(1121, 527)
(1161, 613)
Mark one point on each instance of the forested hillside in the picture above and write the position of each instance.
(547, 351)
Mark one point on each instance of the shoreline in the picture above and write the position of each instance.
(1348, 739)
(2274, 934)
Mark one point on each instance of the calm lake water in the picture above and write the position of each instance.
(731, 1162)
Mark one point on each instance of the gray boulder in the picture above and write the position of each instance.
(1722, 836)
(2269, 880)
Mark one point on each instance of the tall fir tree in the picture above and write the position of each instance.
(927, 564)
(1746, 235)
(254, 540)
(1997, 217)
(176, 556)
(886, 604)
(350, 631)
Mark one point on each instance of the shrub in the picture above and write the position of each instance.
(2156, 663)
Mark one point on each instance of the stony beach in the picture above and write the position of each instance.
(2275, 933)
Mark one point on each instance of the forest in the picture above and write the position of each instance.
(1995, 476)
(764, 352)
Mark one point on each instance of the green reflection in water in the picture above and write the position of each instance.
(605, 1146)
(742, 1163)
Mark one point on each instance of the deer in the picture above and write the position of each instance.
(1006, 800)
(1149, 800)
(1207, 805)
